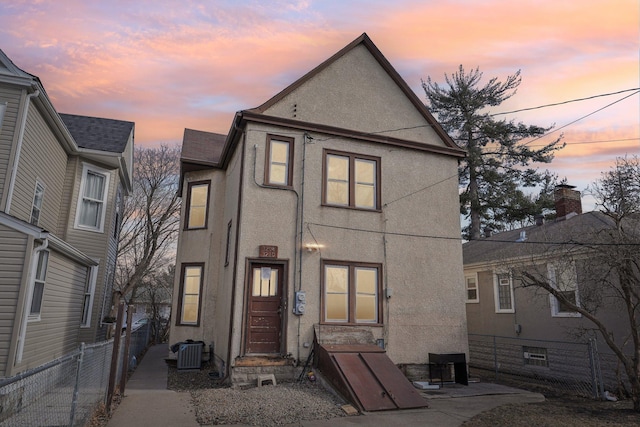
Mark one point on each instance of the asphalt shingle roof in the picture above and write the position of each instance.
(97, 133)
(202, 147)
(539, 238)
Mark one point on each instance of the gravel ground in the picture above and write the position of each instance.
(288, 403)
(284, 403)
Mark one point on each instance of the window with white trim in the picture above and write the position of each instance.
(92, 200)
(38, 285)
(563, 278)
(89, 289)
(471, 285)
(36, 206)
(503, 293)
(535, 356)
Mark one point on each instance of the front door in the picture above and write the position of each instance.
(264, 315)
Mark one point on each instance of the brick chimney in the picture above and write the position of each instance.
(567, 200)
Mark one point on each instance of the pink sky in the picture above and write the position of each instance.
(168, 65)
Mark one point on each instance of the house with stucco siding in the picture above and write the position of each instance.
(326, 216)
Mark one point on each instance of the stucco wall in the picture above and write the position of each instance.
(422, 260)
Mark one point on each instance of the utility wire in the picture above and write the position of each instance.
(565, 102)
(583, 117)
(426, 236)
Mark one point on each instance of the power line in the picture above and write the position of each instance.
(426, 236)
(565, 102)
(595, 142)
(583, 117)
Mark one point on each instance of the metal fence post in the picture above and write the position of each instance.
(113, 371)
(495, 356)
(76, 387)
(598, 370)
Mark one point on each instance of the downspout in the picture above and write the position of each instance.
(297, 263)
(14, 170)
(26, 308)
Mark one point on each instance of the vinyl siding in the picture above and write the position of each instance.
(100, 246)
(56, 334)
(7, 133)
(13, 246)
(42, 158)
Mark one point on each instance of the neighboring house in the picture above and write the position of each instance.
(62, 182)
(329, 214)
(499, 305)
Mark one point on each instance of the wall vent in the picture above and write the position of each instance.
(190, 355)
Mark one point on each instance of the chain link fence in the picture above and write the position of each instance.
(66, 391)
(563, 366)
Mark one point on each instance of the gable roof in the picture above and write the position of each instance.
(571, 232)
(365, 41)
(96, 133)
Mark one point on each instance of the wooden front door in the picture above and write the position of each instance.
(265, 307)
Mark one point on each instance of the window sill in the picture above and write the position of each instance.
(353, 208)
(566, 315)
(377, 325)
(90, 229)
(472, 301)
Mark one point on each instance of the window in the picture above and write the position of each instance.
(278, 169)
(87, 303)
(351, 180)
(190, 292)
(351, 293)
(503, 293)
(563, 278)
(471, 283)
(535, 356)
(197, 205)
(227, 253)
(38, 284)
(36, 207)
(116, 225)
(92, 201)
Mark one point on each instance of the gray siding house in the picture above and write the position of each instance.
(62, 181)
(499, 303)
(329, 214)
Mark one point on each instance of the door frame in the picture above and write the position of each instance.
(250, 262)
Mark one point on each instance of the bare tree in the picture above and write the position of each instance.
(150, 220)
(608, 258)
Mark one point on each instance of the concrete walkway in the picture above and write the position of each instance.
(147, 402)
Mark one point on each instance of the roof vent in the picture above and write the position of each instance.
(523, 236)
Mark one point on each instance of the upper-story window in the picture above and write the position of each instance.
(278, 169)
(36, 206)
(92, 203)
(504, 293)
(471, 283)
(351, 180)
(563, 278)
(197, 205)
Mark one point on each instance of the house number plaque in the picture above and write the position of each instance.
(267, 251)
